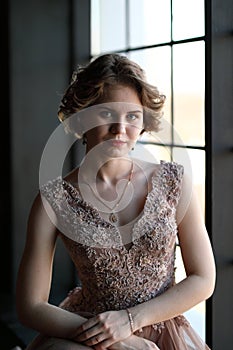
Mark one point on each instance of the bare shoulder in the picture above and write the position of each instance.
(146, 167)
(41, 217)
(72, 176)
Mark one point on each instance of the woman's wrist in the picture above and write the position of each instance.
(131, 321)
(135, 318)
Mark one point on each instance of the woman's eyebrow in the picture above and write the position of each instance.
(137, 111)
(115, 110)
(103, 107)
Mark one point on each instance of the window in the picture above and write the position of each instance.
(167, 38)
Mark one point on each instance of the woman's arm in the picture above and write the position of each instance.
(34, 279)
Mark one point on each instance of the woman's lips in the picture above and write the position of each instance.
(117, 143)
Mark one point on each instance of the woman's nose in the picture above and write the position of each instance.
(118, 128)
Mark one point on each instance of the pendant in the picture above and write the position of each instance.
(113, 218)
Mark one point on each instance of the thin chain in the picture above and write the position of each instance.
(112, 216)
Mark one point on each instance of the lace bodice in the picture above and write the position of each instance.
(112, 276)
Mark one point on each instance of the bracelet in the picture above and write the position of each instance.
(131, 322)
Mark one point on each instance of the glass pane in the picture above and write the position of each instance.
(196, 315)
(149, 22)
(108, 26)
(151, 153)
(157, 64)
(189, 90)
(188, 19)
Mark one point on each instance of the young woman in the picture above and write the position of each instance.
(119, 218)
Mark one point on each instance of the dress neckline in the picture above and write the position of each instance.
(155, 181)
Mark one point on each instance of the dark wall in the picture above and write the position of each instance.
(39, 69)
(222, 169)
(45, 42)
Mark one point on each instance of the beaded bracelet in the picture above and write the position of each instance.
(131, 322)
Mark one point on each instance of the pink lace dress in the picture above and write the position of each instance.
(114, 277)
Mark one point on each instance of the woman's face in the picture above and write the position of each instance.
(117, 121)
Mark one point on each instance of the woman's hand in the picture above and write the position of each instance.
(134, 343)
(104, 330)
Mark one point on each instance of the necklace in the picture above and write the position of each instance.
(113, 218)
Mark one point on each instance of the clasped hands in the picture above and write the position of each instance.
(110, 330)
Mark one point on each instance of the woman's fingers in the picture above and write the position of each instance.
(92, 332)
(104, 329)
(88, 325)
(97, 339)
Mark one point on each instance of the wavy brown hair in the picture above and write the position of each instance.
(89, 86)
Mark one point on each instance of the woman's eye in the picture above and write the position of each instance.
(132, 117)
(106, 114)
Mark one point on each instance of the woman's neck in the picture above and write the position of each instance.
(108, 171)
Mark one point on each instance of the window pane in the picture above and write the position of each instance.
(188, 19)
(151, 153)
(189, 86)
(149, 22)
(108, 26)
(157, 64)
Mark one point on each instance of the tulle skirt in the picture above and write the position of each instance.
(174, 334)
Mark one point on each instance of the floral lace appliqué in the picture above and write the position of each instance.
(111, 276)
